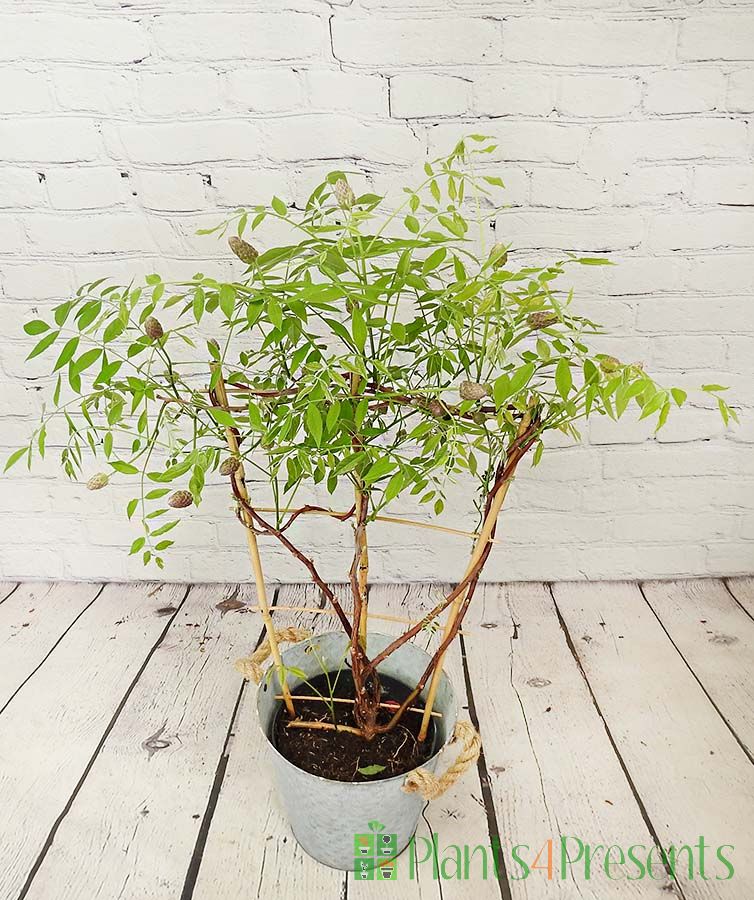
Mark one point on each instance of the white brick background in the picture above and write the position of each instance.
(624, 126)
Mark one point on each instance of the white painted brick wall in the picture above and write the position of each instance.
(624, 126)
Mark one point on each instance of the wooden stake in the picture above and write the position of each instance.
(416, 709)
(482, 540)
(251, 540)
(363, 563)
(316, 611)
(392, 519)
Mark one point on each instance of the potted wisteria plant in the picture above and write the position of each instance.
(389, 352)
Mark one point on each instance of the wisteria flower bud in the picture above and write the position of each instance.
(153, 328)
(344, 194)
(499, 255)
(541, 319)
(243, 250)
(228, 466)
(609, 364)
(98, 481)
(472, 390)
(180, 499)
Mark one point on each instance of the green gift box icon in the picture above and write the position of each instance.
(387, 871)
(363, 869)
(363, 844)
(387, 844)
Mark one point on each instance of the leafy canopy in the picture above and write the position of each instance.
(392, 350)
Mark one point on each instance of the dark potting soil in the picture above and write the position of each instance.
(340, 755)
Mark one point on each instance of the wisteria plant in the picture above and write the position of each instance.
(387, 350)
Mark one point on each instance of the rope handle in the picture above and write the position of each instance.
(429, 785)
(251, 667)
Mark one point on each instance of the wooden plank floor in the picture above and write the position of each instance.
(613, 716)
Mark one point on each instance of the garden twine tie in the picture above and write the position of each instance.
(251, 666)
(430, 786)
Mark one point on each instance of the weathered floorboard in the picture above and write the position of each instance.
(250, 849)
(553, 771)
(32, 621)
(716, 639)
(743, 590)
(458, 817)
(693, 777)
(6, 589)
(142, 801)
(53, 727)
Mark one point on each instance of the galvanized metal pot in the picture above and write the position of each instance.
(324, 815)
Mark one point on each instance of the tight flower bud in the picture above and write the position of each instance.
(541, 319)
(343, 194)
(499, 255)
(153, 328)
(180, 499)
(609, 364)
(243, 250)
(472, 390)
(98, 481)
(228, 466)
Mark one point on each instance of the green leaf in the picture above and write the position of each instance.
(37, 326)
(198, 304)
(61, 312)
(280, 208)
(374, 769)
(137, 545)
(433, 260)
(314, 422)
(88, 313)
(157, 493)
(501, 390)
(712, 388)
(521, 377)
(227, 299)
(679, 395)
(594, 261)
(46, 341)
(131, 508)
(379, 469)
(66, 354)
(255, 417)
(223, 417)
(359, 329)
(124, 468)
(114, 330)
(333, 414)
(412, 224)
(164, 529)
(14, 457)
(563, 378)
(87, 359)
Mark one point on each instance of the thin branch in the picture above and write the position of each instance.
(416, 709)
(268, 528)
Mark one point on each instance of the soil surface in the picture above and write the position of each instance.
(340, 755)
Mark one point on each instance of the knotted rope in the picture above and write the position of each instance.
(251, 666)
(430, 786)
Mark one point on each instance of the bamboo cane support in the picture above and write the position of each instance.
(415, 709)
(363, 563)
(316, 611)
(251, 540)
(395, 520)
(482, 540)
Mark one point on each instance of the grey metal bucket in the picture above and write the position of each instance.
(324, 815)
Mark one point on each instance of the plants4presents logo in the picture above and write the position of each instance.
(374, 854)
